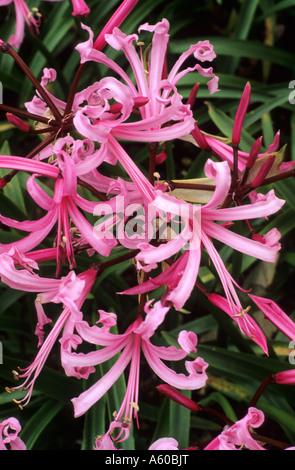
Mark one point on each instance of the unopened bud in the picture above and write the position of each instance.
(286, 377)
(178, 397)
(193, 94)
(241, 112)
(199, 138)
(263, 172)
(116, 108)
(140, 101)
(254, 153)
(17, 122)
(160, 158)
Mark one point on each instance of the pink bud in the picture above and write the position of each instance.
(275, 145)
(116, 20)
(17, 122)
(140, 101)
(263, 172)
(160, 158)
(254, 153)
(80, 8)
(193, 94)
(241, 112)
(115, 108)
(199, 138)
(286, 377)
(178, 397)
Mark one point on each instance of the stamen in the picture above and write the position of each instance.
(18, 403)
(134, 405)
(15, 375)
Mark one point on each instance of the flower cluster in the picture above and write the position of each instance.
(165, 240)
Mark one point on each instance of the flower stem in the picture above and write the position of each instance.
(26, 114)
(261, 389)
(8, 49)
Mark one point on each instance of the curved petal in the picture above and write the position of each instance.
(84, 401)
(265, 206)
(238, 242)
(219, 171)
(197, 376)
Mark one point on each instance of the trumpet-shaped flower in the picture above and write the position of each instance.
(131, 343)
(70, 291)
(201, 224)
(63, 208)
(163, 116)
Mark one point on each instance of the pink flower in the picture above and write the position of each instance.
(70, 291)
(63, 209)
(9, 431)
(131, 343)
(164, 104)
(23, 16)
(201, 225)
(238, 436)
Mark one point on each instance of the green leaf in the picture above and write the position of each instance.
(39, 422)
(225, 125)
(180, 422)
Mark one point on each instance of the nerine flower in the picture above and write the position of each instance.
(163, 103)
(33, 17)
(63, 208)
(70, 291)
(201, 225)
(9, 435)
(238, 436)
(131, 343)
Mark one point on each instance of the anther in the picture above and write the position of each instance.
(15, 374)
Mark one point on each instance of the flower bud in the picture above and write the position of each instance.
(254, 153)
(263, 172)
(241, 112)
(178, 397)
(160, 158)
(199, 138)
(286, 377)
(17, 122)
